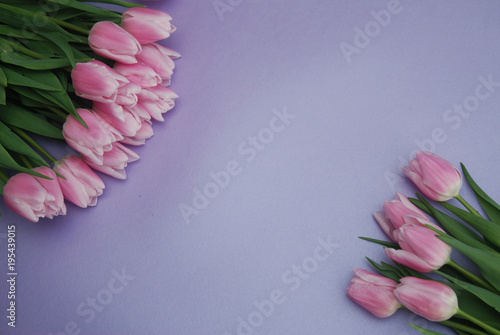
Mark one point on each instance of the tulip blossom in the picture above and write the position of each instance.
(434, 176)
(96, 81)
(80, 184)
(35, 197)
(374, 293)
(127, 124)
(144, 133)
(127, 94)
(159, 58)
(91, 142)
(109, 40)
(158, 100)
(421, 249)
(115, 161)
(147, 25)
(139, 73)
(392, 218)
(430, 299)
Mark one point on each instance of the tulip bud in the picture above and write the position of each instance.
(147, 25)
(109, 40)
(91, 142)
(115, 161)
(141, 136)
(159, 58)
(35, 197)
(392, 218)
(434, 176)
(80, 184)
(139, 73)
(430, 299)
(420, 249)
(96, 81)
(374, 293)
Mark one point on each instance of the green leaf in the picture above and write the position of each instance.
(14, 143)
(485, 295)
(489, 205)
(452, 226)
(7, 30)
(11, 57)
(117, 2)
(384, 243)
(487, 261)
(3, 96)
(490, 231)
(31, 94)
(34, 79)
(387, 270)
(85, 7)
(62, 43)
(7, 162)
(3, 78)
(20, 117)
(425, 331)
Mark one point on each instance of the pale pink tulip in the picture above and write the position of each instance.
(392, 218)
(158, 100)
(139, 73)
(147, 25)
(141, 136)
(159, 58)
(127, 124)
(420, 249)
(80, 184)
(374, 293)
(127, 95)
(96, 81)
(434, 176)
(115, 161)
(430, 299)
(35, 197)
(91, 142)
(109, 40)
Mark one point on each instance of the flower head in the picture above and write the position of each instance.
(434, 176)
(147, 25)
(430, 299)
(109, 40)
(115, 161)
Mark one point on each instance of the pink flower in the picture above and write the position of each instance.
(157, 100)
(115, 161)
(159, 58)
(392, 218)
(91, 142)
(96, 81)
(127, 95)
(420, 249)
(139, 73)
(374, 293)
(147, 25)
(141, 136)
(109, 40)
(35, 197)
(430, 299)
(434, 176)
(126, 123)
(80, 184)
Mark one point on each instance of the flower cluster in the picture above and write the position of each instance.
(118, 94)
(419, 246)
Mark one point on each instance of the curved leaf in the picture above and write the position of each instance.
(20, 117)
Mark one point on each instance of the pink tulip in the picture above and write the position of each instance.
(127, 95)
(392, 218)
(127, 124)
(35, 197)
(158, 100)
(430, 299)
(159, 58)
(115, 161)
(80, 184)
(434, 176)
(147, 25)
(139, 73)
(141, 136)
(91, 142)
(96, 81)
(420, 249)
(374, 293)
(109, 40)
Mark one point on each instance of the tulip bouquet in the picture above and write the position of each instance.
(423, 278)
(90, 77)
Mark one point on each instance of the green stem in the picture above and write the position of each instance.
(58, 112)
(26, 51)
(472, 277)
(465, 328)
(478, 322)
(119, 3)
(69, 26)
(467, 205)
(33, 143)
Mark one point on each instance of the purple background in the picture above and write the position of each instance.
(317, 178)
